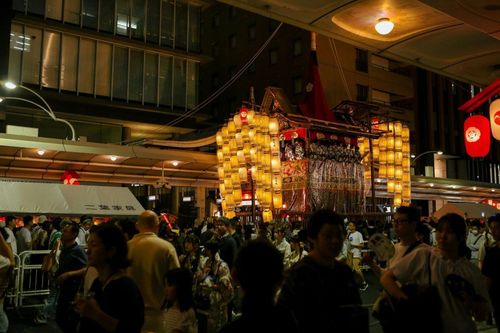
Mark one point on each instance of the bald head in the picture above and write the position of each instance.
(148, 222)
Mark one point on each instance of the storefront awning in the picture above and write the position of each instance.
(59, 199)
(467, 209)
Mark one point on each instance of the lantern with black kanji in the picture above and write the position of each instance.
(477, 136)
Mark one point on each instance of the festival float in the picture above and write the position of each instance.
(286, 163)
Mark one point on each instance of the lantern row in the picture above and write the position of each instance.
(248, 150)
(391, 152)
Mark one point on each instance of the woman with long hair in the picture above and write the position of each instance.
(114, 303)
(180, 316)
(459, 284)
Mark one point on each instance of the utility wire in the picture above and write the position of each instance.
(335, 52)
(219, 91)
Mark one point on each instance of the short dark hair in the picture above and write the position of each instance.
(75, 228)
(320, 218)
(112, 237)
(27, 219)
(413, 213)
(259, 267)
(193, 239)
(458, 226)
(127, 226)
(10, 218)
(182, 280)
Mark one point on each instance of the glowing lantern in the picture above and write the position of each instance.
(274, 126)
(397, 200)
(221, 172)
(219, 139)
(277, 200)
(237, 196)
(398, 128)
(477, 136)
(382, 157)
(390, 186)
(267, 215)
(220, 156)
(382, 171)
(243, 174)
(382, 143)
(495, 118)
(237, 120)
(230, 214)
(398, 143)
(405, 133)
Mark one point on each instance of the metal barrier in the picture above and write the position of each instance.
(30, 285)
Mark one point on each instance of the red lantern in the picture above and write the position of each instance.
(70, 177)
(495, 118)
(244, 114)
(477, 136)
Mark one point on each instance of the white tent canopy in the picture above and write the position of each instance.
(60, 199)
(473, 210)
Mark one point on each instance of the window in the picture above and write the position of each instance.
(137, 19)
(194, 28)
(216, 21)
(50, 59)
(215, 50)
(89, 13)
(362, 60)
(297, 85)
(191, 82)
(136, 75)
(167, 23)
(69, 61)
(165, 80)
(153, 23)
(232, 41)
(273, 57)
(297, 47)
(232, 12)
(215, 81)
(17, 45)
(362, 93)
(120, 73)
(151, 78)
(86, 73)
(36, 7)
(54, 9)
(251, 32)
(180, 82)
(107, 16)
(123, 17)
(72, 11)
(381, 97)
(103, 69)
(181, 19)
(31, 58)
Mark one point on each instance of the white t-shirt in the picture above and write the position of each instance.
(414, 268)
(285, 248)
(23, 238)
(399, 251)
(185, 321)
(11, 240)
(355, 239)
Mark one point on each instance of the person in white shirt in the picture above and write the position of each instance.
(23, 236)
(282, 244)
(460, 285)
(10, 225)
(475, 240)
(356, 243)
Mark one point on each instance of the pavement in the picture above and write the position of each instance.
(22, 321)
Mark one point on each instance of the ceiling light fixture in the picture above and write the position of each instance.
(474, 188)
(40, 152)
(492, 190)
(431, 185)
(175, 163)
(384, 26)
(10, 85)
(113, 158)
(440, 152)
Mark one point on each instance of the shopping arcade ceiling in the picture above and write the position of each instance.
(457, 38)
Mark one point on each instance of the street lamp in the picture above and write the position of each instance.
(47, 109)
(414, 158)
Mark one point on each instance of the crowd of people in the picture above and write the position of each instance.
(219, 276)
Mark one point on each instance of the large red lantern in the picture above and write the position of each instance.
(495, 118)
(477, 136)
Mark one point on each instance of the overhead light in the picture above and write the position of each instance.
(113, 158)
(474, 188)
(384, 26)
(175, 163)
(492, 190)
(412, 155)
(1, 99)
(440, 152)
(431, 185)
(40, 152)
(10, 85)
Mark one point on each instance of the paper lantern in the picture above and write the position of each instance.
(398, 143)
(382, 171)
(220, 170)
(219, 139)
(237, 120)
(230, 214)
(243, 174)
(277, 200)
(390, 142)
(274, 126)
(390, 186)
(250, 116)
(495, 118)
(477, 136)
(382, 143)
(382, 157)
(237, 196)
(397, 200)
(405, 133)
(398, 128)
(391, 170)
(267, 216)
